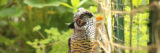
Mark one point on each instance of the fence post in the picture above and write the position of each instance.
(154, 25)
(119, 25)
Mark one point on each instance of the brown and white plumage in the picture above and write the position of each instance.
(83, 36)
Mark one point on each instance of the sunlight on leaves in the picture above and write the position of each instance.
(37, 28)
(93, 9)
(54, 38)
(2, 2)
(82, 2)
(127, 8)
(75, 3)
(67, 5)
(136, 2)
(42, 3)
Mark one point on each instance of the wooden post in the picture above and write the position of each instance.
(154, 25)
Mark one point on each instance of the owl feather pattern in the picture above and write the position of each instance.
(83, 36)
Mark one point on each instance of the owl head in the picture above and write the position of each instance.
(82, 19)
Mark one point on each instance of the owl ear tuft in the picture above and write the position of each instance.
(71, 25)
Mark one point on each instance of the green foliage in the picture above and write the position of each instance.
(37, 28)
(22, 22)
(3, 23)
(60, 42)
(93, 9)
(127, 8)
(6, 40)
(11, 12)
(75, 4)
(18, 18)
(39, 45)
(136, 2)
(3, 2)
(42, 3)
(67, 5)
(55, 40)
(140, 35)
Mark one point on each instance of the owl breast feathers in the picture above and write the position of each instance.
(83, 36)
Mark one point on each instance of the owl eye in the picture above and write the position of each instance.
(79, 22)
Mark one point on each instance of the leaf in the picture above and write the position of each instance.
(11, 12)
(3, 23)
(75, 3)
(45, 41)
(29, 43)
(93, 9)
(47, 31)
(136, 2)
(3, 39)
(127, 8)
(74, 10)
(42, 3)
(67, 5)
(36, 28)
(82, 2)
(2, 2)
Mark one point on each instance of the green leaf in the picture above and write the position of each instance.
(29, 43)
(6, 40)
(45, 41)
(127, 8)
(136, 2)
(36, 28)
(93, 9)
(3, 23)
(11, 12)
(67, 5)
(2, 2)
(82, 2)
(42, 3)
(75, 3)
(3, 39)
(74, 10)
(48, 31)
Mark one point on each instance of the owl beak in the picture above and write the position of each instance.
(71, 25)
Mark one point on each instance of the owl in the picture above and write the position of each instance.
(83, 37)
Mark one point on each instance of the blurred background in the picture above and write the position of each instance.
(41, 26)
(37, 26)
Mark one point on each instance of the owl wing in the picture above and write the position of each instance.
(69, 45)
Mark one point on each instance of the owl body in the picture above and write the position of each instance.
(83, 36)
